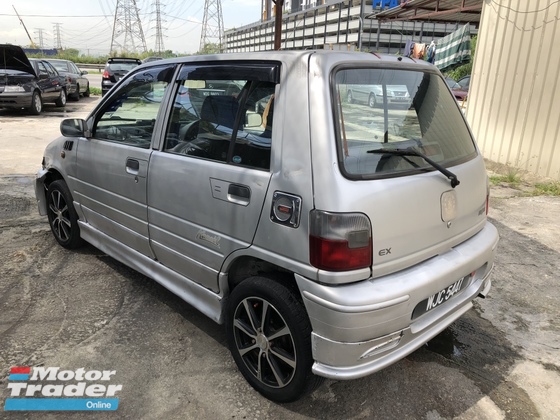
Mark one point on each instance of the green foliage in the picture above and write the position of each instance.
(210, 48)
(511, 178)
(547, 188)
(94, 90)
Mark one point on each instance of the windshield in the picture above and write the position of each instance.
(59, 65)
(397, 109)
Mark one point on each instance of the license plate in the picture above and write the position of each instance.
(441, 297)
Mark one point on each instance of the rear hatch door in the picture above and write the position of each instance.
(413, 169)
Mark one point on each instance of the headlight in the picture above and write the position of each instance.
(14, 89)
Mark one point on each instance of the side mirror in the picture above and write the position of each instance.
(84, 72)
(253, 120)
(73, 127)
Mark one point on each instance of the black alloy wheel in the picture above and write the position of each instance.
(269, 336)
(62, 216)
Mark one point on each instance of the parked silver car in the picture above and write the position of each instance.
(331, 240)
(374, 95)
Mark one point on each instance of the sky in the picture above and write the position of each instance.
(87, 25)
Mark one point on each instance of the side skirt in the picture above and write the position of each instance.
(206, 301)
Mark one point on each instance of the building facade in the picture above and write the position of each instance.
(329, 24)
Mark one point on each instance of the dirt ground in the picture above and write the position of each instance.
(84, 309)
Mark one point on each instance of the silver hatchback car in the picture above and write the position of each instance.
(331, 238)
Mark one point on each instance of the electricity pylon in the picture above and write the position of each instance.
(159, 32)
(212, 25)
(127, 28)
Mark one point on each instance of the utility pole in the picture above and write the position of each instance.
(212, 25)
(32, 44)
(127, 25)
(278, 5)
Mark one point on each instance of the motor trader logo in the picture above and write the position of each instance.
(51, 389)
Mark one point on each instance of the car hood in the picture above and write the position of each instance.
(12, 57)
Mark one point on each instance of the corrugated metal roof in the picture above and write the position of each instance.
(462, 11)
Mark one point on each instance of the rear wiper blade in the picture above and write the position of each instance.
(412, 152)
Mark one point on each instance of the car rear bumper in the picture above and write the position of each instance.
(363, 327)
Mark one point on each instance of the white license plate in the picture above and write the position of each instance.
(441, 297)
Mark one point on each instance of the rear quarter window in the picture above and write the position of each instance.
(396, 109)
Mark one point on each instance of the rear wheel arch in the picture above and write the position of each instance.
(245, 267)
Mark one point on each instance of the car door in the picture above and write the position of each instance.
(208, 182)
(48, 82)
(82, 81)
(112, 165)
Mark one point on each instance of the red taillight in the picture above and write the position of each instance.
(340, 241)
(105, 74)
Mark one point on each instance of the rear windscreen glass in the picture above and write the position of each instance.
(378, 110)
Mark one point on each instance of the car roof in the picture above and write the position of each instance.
(293, 56)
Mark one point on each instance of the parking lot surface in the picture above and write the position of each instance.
(85, 310)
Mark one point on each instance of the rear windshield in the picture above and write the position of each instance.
(125, 66)
(379, 110)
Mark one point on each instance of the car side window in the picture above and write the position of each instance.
(42, 68)
(130, 114)
(50, 70)
(224, 114)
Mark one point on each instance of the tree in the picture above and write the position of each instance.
(210, 48)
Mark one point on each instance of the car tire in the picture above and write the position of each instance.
(87, 92)
(36, 103)
(62, 215)
(350, 97)
(372, 100)
(61, 101)
(76, 95)
(273, 355)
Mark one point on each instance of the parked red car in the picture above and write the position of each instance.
(459, 92)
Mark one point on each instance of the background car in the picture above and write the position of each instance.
(373, 95)
(465, 82)
(115, 69)
(150, 59)
(78, 83)
(459, 93)
(27, 83)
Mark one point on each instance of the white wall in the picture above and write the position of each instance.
(514, 98)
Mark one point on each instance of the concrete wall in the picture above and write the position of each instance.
(515, 83)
